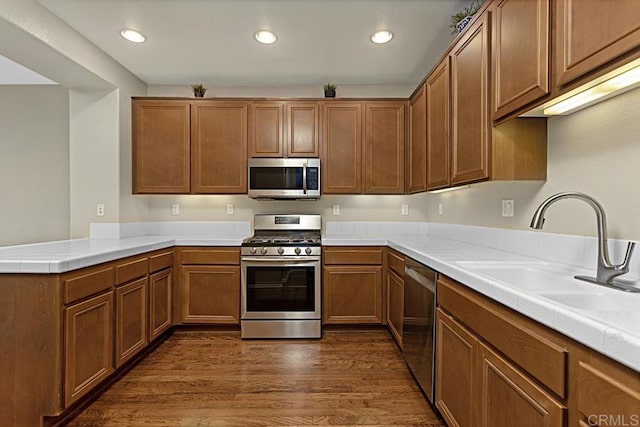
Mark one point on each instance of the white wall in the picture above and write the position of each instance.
(352, 208)
(34, 165)
(595, 151)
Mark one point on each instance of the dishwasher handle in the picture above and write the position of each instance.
(420, 278)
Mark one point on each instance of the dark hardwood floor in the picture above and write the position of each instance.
(216, 379)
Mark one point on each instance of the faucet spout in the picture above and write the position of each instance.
(606, 271)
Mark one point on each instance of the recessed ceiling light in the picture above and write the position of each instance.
(380, 37)
(133, 35)
(266, 37)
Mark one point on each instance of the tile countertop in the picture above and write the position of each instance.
(613, 333)
(67, 255)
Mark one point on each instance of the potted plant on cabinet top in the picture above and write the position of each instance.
(198, 90)
(329, 90)
(462, 18)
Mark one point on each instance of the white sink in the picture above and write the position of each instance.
(536, 277)
(597, 301)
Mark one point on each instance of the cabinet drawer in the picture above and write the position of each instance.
(87, 282)
(132, 269)
(220, 256)
(537, 350)
(160, 261)
(395, 261)
(352, 255)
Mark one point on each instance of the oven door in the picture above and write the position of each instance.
(274, 288)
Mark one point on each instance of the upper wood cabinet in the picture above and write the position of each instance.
(416, 164)
(363, 142)
(267, 129)
(521, 31)
(219, 147)
(161, 146)
(438, 127)
(284, 129)
(384, 148)
(341, 148)
(470, 137)
(302, 124)
(589, 34)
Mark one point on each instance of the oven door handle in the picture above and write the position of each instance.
(281, 261)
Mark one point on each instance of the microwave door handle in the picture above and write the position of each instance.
(304, 178)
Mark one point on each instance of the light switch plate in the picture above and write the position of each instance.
(336, 209)
(405, 209)
(175, 209)
(230, 209)
(100, 209)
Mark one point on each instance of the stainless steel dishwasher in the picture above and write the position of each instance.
(418, 324)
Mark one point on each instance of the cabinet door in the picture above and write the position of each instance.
(267, 129)
(219, 147)
(210, 294)
(131, 320)
(507, 395)
(417, 143)
(302, 129)
(520, 53)
(384, 148)
(395, 305)
(591, 33)
(88, 345)
(161, 138)
(456, 356)
(470, 102)
(438, 127)
(341, 148)
(602, 391)
(159, 303)
(352, 294)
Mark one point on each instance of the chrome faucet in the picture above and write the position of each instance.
(606, 271)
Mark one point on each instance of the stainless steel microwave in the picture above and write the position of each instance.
(284, 178)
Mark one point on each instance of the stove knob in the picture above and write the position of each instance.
(253, 251)
(263, 251)
(297, 251)
(280, 251)
(307, 251)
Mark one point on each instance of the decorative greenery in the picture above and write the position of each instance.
(198, 90)
(330, 86)
(459, 20)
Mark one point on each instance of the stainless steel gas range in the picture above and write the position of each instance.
(281, 278)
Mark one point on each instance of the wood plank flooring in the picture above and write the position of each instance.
(217, 379)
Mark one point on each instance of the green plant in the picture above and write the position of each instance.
(467, 11)
(198, 89)
(330, 86)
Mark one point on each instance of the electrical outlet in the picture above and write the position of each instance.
(336, 209)
(508, 207)
(439, 208)
(100, 209)
(229, 209)
(405, 209)
(175, 209)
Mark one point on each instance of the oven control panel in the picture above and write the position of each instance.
(281, 251)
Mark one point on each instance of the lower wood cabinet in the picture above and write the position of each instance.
(210, 294)
(352, 294)
(160, 303)
(456, 353)
(88, 345)
(131, 320)
(507, 395)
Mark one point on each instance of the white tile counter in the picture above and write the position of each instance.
(615, 332)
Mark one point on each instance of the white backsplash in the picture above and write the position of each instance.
(579, 251)
(220, 229)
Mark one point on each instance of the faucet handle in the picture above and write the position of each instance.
(627, 258)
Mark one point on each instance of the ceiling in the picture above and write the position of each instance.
(211, 41)
(12, 73)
